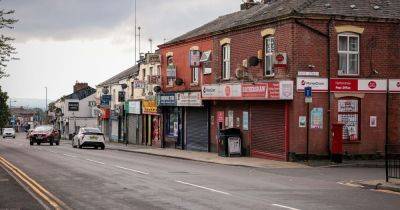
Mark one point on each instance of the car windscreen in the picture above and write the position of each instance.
(8, 130)
(92, 131)
(43, 129)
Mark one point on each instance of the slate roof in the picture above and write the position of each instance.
(132, 71)
(386, 9)
(81, 94)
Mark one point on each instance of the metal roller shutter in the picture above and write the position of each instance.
(268, 130)
(197, 129)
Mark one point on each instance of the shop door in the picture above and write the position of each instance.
(197, 129)
(268, 130)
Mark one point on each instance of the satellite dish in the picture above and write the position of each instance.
(105, 91)
(179, 82)
(157, 89)
(124, 86)
(254, 61)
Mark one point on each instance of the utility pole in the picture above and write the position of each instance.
(46, 98)
(151, 45)
(139, 28)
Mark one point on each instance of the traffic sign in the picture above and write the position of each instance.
(308, 92)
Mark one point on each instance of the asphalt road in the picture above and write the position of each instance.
(110, 179)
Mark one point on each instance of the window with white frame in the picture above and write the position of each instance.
(226, 61)
(195, 75)
(349, 54)
(269, 49)
(171, 71)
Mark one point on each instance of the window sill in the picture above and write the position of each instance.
(169, 86)
(269, 76)
(348, 75)
(194, 84)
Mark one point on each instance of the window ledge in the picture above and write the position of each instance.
(269, 76)
(194, 84)
(169, 86)
(351, 142)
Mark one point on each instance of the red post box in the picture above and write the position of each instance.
(337, 143)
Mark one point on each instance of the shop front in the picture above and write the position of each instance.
(134, 121)
(259, 110)
(151, 123)
(186, 121)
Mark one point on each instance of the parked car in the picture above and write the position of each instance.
(44, 134)
(89, 137)
(9, 132)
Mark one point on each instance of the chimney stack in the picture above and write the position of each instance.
(248, 4)
(80, 86)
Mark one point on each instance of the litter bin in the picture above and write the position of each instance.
(229, 142)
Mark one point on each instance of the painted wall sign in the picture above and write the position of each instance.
(282, 90)
(166, 99)
(362, 85)
(317, 84)
(394, 85)
(308, 73)
(189, 99)
(105, 100)
(149, 107)
(138, 84)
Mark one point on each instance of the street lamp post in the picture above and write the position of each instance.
(46, 98)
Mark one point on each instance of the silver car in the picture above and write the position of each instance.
(9, 132)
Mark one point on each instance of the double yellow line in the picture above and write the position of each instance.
(34, 186)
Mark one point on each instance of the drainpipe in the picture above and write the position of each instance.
(329, 86)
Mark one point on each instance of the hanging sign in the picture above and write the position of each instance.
(280, 59)
(132, 107)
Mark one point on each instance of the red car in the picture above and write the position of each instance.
(44, 134)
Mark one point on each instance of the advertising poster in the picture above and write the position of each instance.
(350, 129)
(373, 122)
(302, 121)
(245, 121)
(317, 118)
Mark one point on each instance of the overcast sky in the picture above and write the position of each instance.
(62, 41)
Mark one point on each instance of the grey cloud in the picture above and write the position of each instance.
(88, 19)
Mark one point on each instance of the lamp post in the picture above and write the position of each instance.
(46, 98)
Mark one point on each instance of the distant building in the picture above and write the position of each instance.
(22, 118)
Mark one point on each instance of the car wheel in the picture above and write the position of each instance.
(57, 143)
(38, 143)
(79, 144)
(13, 137)
(102, 147)
(31, 142)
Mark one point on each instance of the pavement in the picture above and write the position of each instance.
(114, 179)
(204, 156)
(393, 185)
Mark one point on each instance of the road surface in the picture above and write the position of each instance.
(110, 179)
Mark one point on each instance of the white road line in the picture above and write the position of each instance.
(285, 207)
(95, 161)
(69, 155)
(205, 188)
(128, 169)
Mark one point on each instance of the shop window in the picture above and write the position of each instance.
(349, 115)
(269, 49)
(226, 62)
(349, 56)
(172, 122)
(195, 75)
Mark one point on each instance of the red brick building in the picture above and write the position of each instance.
(264, 56)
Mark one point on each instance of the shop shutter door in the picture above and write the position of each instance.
(114, 129)
(268, 130)
(197, 129)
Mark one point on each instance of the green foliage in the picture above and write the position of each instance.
(4, 112)
(7, 51)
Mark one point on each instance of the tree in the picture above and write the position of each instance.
(4, 112)
(7, 51)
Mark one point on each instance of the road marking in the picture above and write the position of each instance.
(37, 188)
(285, 207)
(94, 161)
(205, 188)
(136, 171)
(69, 155)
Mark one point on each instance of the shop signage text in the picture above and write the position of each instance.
(132, 107)
(149, 107)
(166, 99)
(73, 106)
(363, 85)
(188, 99)
(282, 90)
(394, 85)
(317, 84)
